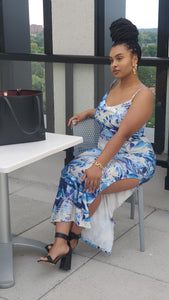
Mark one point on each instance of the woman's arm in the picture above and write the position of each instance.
(137, 115)
(81, 116)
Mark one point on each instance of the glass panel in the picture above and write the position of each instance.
(148, 76)
(36, 26)
(145, 17)
(37, 46)
(38, 79)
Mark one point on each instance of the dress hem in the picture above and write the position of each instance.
(98, 247)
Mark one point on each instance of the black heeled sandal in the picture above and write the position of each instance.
(47, 247)
(65, 259)
(72, 236)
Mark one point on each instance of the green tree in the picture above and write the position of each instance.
(150, 50)
(36, 83)
(34, 48)
(38, 38)
(38, 69)
(147, 36)
(147, 75)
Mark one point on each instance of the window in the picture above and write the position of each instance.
(146, 21)
(37, 45)
(145, 17)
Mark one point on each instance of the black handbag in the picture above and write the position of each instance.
(21, 117)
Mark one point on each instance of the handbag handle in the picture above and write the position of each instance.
(16, 120)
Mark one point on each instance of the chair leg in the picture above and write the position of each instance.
(133, 201)
(141, 217)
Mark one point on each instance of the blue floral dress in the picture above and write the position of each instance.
(135, 159)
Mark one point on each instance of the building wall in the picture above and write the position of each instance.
(73, 24)
(73, 27)
(83, 87)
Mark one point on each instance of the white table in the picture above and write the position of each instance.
(13, 157)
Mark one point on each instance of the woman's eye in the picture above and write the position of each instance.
(119, 58)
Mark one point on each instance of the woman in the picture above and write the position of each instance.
(124, 158)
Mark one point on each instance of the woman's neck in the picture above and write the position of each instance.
(129, 81)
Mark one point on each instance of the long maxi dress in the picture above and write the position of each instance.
(135, 159)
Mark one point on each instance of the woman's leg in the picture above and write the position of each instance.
(118, 186)
(60, 246)
(121, 185)
(77, 229)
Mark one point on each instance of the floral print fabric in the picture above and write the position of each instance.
(135, 159)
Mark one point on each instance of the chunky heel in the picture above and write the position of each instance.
(66, 261)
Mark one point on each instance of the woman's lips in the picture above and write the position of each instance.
(115, 72)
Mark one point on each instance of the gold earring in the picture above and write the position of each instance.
(134, 68)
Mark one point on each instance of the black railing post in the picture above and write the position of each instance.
(69, 105)
(161, 77)
(48, 49)
(2, 43)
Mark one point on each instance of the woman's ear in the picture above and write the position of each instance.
(135, 59)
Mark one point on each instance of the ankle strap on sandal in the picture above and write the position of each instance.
(73, 236)
(62, 235)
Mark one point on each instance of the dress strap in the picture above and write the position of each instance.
(113, 83)
(142, 88)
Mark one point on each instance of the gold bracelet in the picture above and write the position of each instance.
(98, 164)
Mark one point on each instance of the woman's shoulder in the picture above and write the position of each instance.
(147, 91)
(143, 90)
(143, 96)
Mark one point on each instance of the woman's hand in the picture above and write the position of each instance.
(77, 118)
(93, 177)
(81, 116)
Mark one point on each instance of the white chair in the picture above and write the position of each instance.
(89, 129)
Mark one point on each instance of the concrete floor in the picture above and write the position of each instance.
(126, 274)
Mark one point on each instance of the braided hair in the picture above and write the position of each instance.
(123, 31)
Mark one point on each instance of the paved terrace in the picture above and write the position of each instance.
(126, 274)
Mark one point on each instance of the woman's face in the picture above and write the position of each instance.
(121, 61)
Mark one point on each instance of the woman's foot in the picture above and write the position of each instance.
(61, 250)
(56, 250)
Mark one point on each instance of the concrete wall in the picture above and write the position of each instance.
(83, 87)
(73, 27)
(59, 97)
(73, 34)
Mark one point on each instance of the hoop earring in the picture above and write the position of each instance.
(134, 68)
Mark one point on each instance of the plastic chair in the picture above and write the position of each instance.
(89, 129)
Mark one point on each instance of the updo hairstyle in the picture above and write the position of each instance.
(123, 31)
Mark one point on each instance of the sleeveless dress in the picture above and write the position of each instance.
(135, 159)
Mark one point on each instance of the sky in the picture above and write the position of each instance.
(143, 13)
(36, 12)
